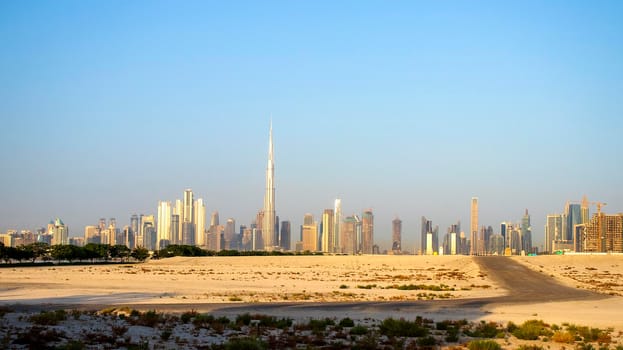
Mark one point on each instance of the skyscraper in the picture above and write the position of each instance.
(179, 211)
(188, 218)
(429, 237)
(148, 232)
(310, 237)
(268, 226)
(348, 239)
(553, 231)
(336, 225)
(230, 231)
(60, 233)
(328, 230)
(214, 219)
(397, 235)
(367, 232)
(200, 222)
(284, 236)
(134, 228)
(91, 234)
(526, 233)
(572, 217)
(164, 225)
(504, 230)
(473, 233)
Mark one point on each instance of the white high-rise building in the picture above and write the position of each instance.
(328, 231)
(337, 217)
(268, 224)
(188, 218)
(200, 222)
(60, 232)
(474, 241)
(178, 210)
(164, 225)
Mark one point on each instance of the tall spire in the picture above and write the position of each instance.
(270, 143)
(268, 224)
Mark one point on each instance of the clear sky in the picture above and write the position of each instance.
(406, 107)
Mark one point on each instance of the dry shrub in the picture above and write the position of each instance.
(563, 337)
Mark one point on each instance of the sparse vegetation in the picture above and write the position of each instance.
(435, 288)
(359, 330)
(347, 322)
(532, 330)
(483, 330)
(402, 328)
(483, 345)
(48, 318)
(258, 331)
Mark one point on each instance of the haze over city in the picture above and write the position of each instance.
(409, 109)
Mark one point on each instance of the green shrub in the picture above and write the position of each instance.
(483, 330)
(530, 347)
(402, 328)
(532, 330)
(367, 286)
(166, 334)
(203, 320)
(428, 341)
(436, 288)
(244, 319)
(274, 322)
(245, 344)
(585, 346)
(4, 310)
(359, 330)
(149, 319)
(347, 322)
(48, 318)
(452, 335)
(320, 325)
(483, 345)
(343, 286)
(593, 334)
(188, 315)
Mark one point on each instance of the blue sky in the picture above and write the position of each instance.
(409, 108)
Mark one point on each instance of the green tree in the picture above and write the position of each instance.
(67, 252)
(92, 251)
(139, 253)
(98, 251)
(36, 250)
(6, 253)
(120, 251)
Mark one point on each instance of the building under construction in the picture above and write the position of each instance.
(603, 233)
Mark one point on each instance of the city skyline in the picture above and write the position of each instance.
(409, 109)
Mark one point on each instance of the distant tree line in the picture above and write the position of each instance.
(189, 250)
(91, 252)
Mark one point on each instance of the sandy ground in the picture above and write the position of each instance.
(249, 279)
(307, 279)
(363, 288)
(599, 273)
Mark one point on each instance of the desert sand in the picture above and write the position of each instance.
(248, 279)
(365, 288)
(309, 279)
